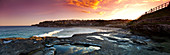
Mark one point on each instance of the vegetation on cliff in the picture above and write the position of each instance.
(71, 23)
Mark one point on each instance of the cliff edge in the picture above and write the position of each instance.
(156, 23)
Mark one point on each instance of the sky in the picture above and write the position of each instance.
(27, 12)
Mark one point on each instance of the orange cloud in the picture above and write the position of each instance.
(101, 13)
(118, 1)
(94, 4)
(153, 0)
(86, 11)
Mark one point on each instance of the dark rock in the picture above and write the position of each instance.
(158, 48)
(139, 42)
(22, 46)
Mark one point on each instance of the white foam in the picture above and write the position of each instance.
(125, 46)
(97, 37)
(118, 38)
(5, 42)
(121, 38)
(64, 36)
(35, 42)
(49, 34)
(105, 34)
(89, 40)
(69, 32)
(110, 40)
(95, 48)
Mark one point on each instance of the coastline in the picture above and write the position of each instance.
(113, 41)
(103, 29)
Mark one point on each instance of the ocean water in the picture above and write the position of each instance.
(29, 31)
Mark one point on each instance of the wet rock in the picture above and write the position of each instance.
(68, 48)
(123, 43)
(138, 48)
(147, 40)
(48, 45)
(159, 40)
(121, 35)
(138, 37)
(156, 48)
(67, 40)
(125, 46)
(74, 49)
(54, 42)
(139, 42)
(92, 38)
(115, 33)
(110, 40)
(38, 53)
(62, 40)
(50, 52)
(1, 42)
(123, 40)
(22, 46)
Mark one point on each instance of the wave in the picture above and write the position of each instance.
(49, 34)
(69, 32)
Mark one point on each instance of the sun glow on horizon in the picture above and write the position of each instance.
(127, 14)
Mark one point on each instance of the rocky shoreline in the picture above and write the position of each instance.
(115, 42)
(156, 25)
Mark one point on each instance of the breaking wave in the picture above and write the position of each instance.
(49, 34)
(68, 32)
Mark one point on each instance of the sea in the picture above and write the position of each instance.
(30, 31)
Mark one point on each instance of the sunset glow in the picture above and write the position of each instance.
(27, 12)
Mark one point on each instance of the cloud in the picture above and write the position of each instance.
(145, 1)
(94, 4)
(118, 1)
(139, 4)
(101, 13)
(154, 0)
(97, 6)
(86, 11)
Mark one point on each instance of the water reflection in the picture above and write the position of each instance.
(68, 49)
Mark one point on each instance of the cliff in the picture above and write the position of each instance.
(156, 23)
(71, 23)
